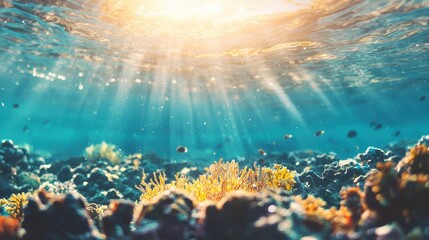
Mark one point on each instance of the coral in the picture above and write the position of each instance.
(103, 151)
(253, 216)
(117, 220)
(278, 177)
(15, 205)
(317, 217)
(27, 181)
(400, 197)
(168, 216)
(59, 187)
(219, 179)
(416, 161)
(9, 228)
(372, 156)
(352, 199)
(96, 211)
(57, 217)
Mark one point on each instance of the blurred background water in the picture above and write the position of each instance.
(224, 82)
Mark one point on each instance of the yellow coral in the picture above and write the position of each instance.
(103, 151)
(219, 179)
(156, 185)
(279, 177)
(15, 205)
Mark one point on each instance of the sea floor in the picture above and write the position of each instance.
(378, 194)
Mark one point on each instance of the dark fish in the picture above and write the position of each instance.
(182, 149)
(319, 133)
(219, 145)
(352, 134)
(16, 105)
(261, 161)
(378, 126)
(46, 122)
(397, 133)
(373, 123)
(287, 136)
(422, 98)
(26, 129)
(262, 152)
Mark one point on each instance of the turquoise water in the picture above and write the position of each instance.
(82, 74)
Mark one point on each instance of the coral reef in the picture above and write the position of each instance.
(221, 178)
(303, 195)
(255, 216)
(18, 169)
(103, 151)
(399, 197)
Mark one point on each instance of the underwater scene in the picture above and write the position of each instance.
(214, 119)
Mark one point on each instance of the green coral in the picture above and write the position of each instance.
(103, 151)
(221, 178)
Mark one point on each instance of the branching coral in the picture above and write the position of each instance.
(103, 151)
(221, 178)
(278, 177)
(15, 205)
(317, 216)
(154, 186)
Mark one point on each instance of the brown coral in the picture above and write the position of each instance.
(353, 199)
(401, 197)
(416, 161)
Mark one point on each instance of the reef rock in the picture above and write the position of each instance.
(57, 217)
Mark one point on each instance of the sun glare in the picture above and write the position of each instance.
(191, 14)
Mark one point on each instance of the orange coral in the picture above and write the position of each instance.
(416, 161)
(399, 195)
(352, 199)
(9, 228)
(316, 215)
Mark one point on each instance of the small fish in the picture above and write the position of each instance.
(319, 133)
(219, 145)
(182, 149)
(378, 126)
(422, 98)
(46, 122)
(261, 161)
(16, 105)
(26, 129)
(287, 136)
(262, 152)
(352, 134)
(397, 133)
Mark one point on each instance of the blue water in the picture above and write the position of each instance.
(82, 75)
